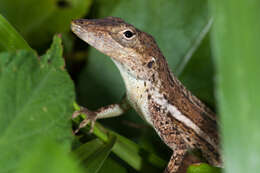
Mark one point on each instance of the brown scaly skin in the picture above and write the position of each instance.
(181, 120)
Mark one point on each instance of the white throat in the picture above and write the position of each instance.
(136, 92)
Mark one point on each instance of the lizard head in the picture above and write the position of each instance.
(133, 51)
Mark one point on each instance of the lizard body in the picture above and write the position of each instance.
(181, 120)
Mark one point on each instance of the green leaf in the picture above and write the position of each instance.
(111, 165)
(87, 149)
(236, 40)
(48, 156)
(134, 155)
(36, 101)
(203, 168)
(54, 54)
(10, 39)
(93, 159)
(198, 75)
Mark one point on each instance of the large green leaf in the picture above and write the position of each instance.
(48, 156)
(36, 101)
(198, 73)
(236, 40)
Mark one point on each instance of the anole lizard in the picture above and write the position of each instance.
(181, 120)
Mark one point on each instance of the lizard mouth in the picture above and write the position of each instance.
(87, 32)
(77, 29)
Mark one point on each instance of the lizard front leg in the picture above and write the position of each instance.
(108, 111)
(176, 160)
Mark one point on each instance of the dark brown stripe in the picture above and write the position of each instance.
(201, 142)
(199, 117)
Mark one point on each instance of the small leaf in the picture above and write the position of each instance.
(203, 168)
(87, 149)
(95, 160)
(111, 165)
(52, 56)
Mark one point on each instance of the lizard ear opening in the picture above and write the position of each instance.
(151, 62)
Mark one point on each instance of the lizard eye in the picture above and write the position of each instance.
(128, 34)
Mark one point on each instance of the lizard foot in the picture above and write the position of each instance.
(91, 118)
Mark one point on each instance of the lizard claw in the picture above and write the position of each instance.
(91, 118)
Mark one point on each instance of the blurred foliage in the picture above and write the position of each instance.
(92, 160)
(198, 72)
(37, 92)
(10, 39)
(203, 168)
(38, 21)
(236, 40)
